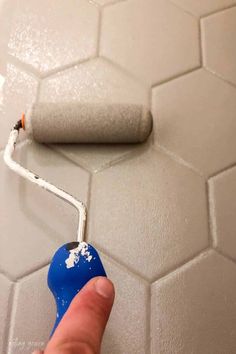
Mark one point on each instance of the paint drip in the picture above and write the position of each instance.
(76, 253)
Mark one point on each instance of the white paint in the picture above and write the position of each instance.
(13, 165)
(74, 256)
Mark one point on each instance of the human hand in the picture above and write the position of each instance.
(81, 328)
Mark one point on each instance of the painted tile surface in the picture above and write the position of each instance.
(161, 214)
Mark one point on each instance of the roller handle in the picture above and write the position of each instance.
(72, 266)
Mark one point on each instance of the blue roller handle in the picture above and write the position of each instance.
(70, 269)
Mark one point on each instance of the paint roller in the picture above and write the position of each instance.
(87, 123)
(75, 263)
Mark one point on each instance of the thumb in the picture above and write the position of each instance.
(82, 327)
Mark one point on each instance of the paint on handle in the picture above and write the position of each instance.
(76, 253)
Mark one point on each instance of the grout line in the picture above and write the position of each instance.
(7, 275)
(125, 71)
(215, 12)
(211, 214)
(12, 316)
(118, 263)
(94, 3)
(185, 264)
(6, 338)
(29, 69)
(219, 76)
(106, 165)
(129, 155)
(114, 162)
(148, 319)
(112, 3)
(54, 149)
(208, 14)
(54, 72)
(177, 76)
(176, 268)
(178, 159)
(200, 42)
(188, 12)
(222, 171)
(99, 31)
(224, 255)
(33, 270)
(58, 151)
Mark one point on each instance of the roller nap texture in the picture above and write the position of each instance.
(88, 123)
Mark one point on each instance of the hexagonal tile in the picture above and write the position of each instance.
(219, 47)
(149, 213)
(32, 220)
(223, 199)
(4, 303)
(203, 7)
(127, 327)
(194, 117)
(34, 315)
(94, 81)
(166, 45)
(194, 309)
(48, 37)
(17, 92)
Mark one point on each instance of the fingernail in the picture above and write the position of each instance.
(104, 287)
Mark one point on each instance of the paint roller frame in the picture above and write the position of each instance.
(32, 177)
(144, 124)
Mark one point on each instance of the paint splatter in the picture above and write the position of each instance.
(74, 257)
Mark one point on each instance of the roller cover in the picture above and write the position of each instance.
(88, 123)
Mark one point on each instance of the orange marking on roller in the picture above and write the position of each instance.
(23, 120)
